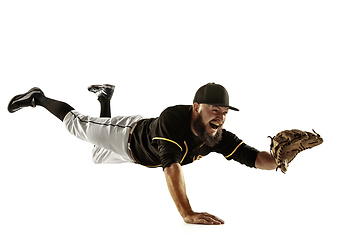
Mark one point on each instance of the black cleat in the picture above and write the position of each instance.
(105, 90)
(24, 100)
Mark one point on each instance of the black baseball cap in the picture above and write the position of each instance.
(213, 94)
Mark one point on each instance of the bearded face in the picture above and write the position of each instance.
(209, 122)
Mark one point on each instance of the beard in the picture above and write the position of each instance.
(205, 137)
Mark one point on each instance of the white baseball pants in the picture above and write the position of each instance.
(109, 135)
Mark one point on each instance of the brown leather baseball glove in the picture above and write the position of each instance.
(287, 144)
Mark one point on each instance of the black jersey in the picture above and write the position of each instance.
(159, 142)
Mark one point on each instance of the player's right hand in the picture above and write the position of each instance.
(203, 218)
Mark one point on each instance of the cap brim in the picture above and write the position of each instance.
(220, 105)
(233, 108)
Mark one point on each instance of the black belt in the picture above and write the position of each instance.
(129, 142)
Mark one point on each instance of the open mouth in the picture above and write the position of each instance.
(214, 125)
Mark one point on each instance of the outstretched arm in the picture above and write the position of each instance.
(265, 161)
(176, 184)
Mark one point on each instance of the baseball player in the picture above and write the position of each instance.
(179, 136)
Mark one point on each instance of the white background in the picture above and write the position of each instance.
(286, 64)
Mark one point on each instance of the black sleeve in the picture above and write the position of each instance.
(169, 137)
(169, 154)
(233, 148)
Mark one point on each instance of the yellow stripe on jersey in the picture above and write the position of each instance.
(165, 139)
(186, 151)
(234, 150)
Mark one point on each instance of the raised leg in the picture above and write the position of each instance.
(36, 97)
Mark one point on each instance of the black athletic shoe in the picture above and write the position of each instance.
(105, 90)
(24, 100)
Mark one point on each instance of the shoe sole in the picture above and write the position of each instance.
(90, 88)
(105, 90)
